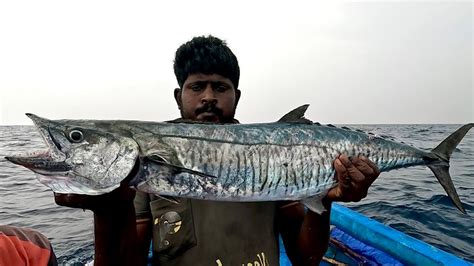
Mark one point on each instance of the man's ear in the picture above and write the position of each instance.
(177, 97)
(237, 97)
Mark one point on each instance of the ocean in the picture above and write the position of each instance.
(410, 200)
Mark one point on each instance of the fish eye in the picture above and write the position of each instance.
(76, 135)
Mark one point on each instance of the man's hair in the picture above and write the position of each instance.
(206, 55)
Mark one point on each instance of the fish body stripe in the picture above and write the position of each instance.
(287, 163)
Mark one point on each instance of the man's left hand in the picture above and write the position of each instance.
(354, 176)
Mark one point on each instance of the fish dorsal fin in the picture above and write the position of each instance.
(296, 116)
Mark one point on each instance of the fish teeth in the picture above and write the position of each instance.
(56, 155)
(42, 154)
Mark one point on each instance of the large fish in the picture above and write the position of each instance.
(291, 159)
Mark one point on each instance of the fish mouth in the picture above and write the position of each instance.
(44, 166)
(49, 162)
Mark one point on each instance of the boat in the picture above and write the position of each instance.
(358, 240)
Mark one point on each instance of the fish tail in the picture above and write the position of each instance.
(443, 152)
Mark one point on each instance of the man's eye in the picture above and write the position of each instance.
(221, 88)
(195, 87)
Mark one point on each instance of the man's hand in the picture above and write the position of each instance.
(115, 230)
(354, 176)
(105, 202)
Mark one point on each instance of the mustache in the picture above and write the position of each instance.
(209, 107)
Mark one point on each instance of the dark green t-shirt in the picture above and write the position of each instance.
(198, 232)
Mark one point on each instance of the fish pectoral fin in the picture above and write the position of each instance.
(296, 116)
(177, 168)
(157, 158)
(315, 204)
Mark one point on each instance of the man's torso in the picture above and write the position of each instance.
(198, 232)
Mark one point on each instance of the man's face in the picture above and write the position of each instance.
(209, 98)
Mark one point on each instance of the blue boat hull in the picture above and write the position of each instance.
(358, 239)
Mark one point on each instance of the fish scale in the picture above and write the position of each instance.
(243, 154)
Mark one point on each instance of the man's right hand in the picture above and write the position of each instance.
(104, 202)
(115, 230)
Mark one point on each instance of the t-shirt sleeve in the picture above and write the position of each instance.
(22, 246)
(142, 205)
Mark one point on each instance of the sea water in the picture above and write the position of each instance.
(410, 200)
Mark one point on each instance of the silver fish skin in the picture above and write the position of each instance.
(287, 160)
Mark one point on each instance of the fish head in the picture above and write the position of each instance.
(82, 158)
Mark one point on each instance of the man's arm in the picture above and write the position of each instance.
(144, 226)
(115, 229)
(305, 233)
(144, 231)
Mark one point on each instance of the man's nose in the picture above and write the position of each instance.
(208, 95)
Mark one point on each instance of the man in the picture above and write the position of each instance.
(196, 232)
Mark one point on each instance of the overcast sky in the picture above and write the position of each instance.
(354, 62)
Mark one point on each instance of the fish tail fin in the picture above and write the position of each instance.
(443, 152)
(447, 146)
(442, 174)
